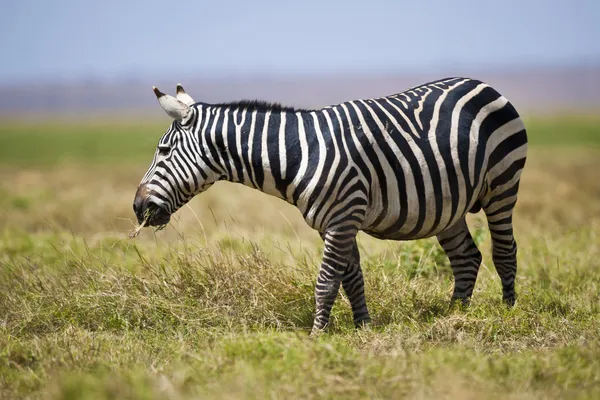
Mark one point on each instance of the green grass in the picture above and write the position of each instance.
(219, 305)
(190, 320)
(564, 130)
(43, 142)
(52, 142)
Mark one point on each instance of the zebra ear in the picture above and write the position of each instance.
(173, 107)
(183, 96)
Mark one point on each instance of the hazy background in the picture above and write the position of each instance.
(74, 58)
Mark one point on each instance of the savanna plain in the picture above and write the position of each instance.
(220, 303)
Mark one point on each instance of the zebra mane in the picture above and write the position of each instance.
(261, 105)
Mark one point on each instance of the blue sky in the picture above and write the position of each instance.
(67, 39)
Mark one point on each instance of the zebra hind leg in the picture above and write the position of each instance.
(354, 287)
(504, 248)
(465, 259)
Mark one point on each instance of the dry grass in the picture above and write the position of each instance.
(220, 303)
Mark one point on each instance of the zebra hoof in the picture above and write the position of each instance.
(460, 302)
(364, 323)
(510, 300)
(315, 333)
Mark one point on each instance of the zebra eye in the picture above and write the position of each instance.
(164, 150)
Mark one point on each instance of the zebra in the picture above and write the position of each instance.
(401, 167)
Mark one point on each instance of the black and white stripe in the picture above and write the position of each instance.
(401, 167)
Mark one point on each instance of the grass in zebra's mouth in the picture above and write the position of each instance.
(147, 216)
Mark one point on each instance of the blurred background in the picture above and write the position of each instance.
(75, 58)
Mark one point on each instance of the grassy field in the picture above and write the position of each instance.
(219, 304)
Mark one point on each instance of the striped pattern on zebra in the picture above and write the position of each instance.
(401, 167)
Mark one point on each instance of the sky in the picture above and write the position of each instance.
(75, 39)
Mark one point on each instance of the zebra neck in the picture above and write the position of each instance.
(262, 149)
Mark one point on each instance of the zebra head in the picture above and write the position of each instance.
(179, 168)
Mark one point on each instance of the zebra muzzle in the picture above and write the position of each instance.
(145, 209)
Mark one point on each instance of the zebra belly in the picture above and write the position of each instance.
(405, 236)
(421, 218)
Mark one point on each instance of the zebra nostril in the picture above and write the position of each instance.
(138, 207)
(140, 196)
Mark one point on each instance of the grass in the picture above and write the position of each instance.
(132, 142)
(99, 142)
(220, 303)
(564, 130)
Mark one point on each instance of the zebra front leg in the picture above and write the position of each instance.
(354, 286)
(336, 257)
(504, 251)
(465, 259)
